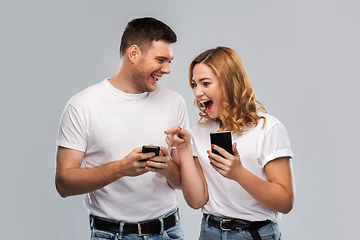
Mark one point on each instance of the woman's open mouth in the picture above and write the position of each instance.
(208, 105)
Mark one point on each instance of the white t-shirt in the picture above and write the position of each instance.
(107, 124)
(256, 148)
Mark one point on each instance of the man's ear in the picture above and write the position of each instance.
(133, 53)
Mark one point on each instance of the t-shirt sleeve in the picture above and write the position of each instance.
(194, 150)
(72, 131)
(276, 144)
(183, 118)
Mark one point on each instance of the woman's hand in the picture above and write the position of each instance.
(228, 165)
(276, 193)
(178, 137)
(193, 183)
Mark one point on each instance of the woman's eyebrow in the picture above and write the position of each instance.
(203, 79)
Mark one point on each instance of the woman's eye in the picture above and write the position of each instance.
(206, 84)
(193, 84)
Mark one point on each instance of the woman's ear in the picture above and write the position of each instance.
(133, 53)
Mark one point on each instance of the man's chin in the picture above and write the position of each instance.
(151, 88)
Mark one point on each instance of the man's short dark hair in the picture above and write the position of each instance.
(142, 31)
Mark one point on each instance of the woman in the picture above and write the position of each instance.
(241, 194)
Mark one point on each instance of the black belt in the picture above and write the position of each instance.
(140, 228)
(234, 224)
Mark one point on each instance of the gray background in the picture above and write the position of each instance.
(302, 57)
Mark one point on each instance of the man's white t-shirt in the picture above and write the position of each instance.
(107, 124)
(256, 148)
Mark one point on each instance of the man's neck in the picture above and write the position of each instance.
(122, 81)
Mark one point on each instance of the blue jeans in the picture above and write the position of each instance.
(174, 232)
(270, 231)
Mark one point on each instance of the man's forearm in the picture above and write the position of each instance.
(76, 181)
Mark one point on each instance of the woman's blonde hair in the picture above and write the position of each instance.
(239, 106)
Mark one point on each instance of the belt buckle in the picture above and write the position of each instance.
(224, 221)
(139, 230)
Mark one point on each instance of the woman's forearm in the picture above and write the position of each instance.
(193, 182)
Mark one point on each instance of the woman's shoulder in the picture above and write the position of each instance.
(205, 128)
(269, 118)
(270, 121)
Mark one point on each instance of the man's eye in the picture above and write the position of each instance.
(160, 61)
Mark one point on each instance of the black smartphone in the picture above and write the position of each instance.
(154, 149)
(223, 140)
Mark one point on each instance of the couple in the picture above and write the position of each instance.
(131, 194)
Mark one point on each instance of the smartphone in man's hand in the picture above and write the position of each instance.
(148, 148)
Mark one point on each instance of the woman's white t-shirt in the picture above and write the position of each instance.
(256, 148)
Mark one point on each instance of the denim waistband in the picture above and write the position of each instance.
(156, 225)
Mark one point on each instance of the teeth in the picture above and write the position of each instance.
(156, 77)
(203, 102)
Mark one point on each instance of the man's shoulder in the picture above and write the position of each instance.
(87, 95)
(166, 93)
(163, 89)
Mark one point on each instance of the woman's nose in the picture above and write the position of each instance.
(198, 92)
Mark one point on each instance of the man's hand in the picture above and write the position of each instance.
(160, 164)
(135, 163)
(164, 165)
(72, 179)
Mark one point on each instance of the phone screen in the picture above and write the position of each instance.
(223, 140)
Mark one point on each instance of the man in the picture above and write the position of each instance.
(128, 193)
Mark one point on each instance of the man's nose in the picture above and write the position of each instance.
(166, 68)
